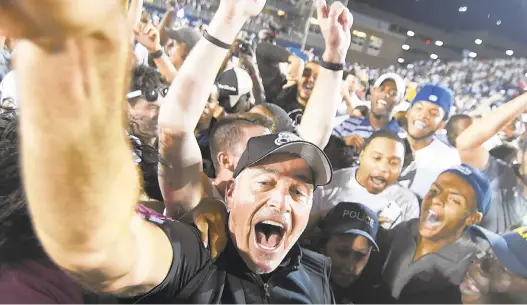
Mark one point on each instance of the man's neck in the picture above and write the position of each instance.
(221, 181)
(427, 246)
(418, 144)
(301, 101)
(378, 122)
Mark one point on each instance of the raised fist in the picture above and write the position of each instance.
(147, 35)
(335, 24)
(240, 10)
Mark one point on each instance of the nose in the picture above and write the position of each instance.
(350, 265)
(280, 200)
(439, 199)
(312, 78)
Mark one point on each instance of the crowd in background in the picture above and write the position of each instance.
(266, 174)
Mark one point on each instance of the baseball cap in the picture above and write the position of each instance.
(399, 83)
(234, 83)
(188, 36)
(479, 182)
(351, 218)
(258, 148)
(441, 96)
(510, 248)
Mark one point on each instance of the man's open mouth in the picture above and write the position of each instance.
(432, 219)
(378, 181)
(269, 234)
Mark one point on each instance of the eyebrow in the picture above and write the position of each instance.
(389, 157)
(451, 192)
(300, 177)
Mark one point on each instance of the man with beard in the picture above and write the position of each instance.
(499, 275)
(146, 94)
(372, 183)
(69, 185)
(424, 260)
(387, 91)
(295, 98)
(181, 177)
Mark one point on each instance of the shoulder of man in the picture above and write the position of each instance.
(318, 267)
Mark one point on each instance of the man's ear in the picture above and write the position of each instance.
(229, 193)
(224, 161)
(442, 125)
(474, 219)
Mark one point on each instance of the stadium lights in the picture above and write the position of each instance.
(281, 13)
(406, 47)
(498, 22)
(463, 9)
(472, 54)
(439, 43)
(478, 41)
(509, 52)
(410, 66)
(410, 33)
(400, 60)
(359, 34)
(433, 56)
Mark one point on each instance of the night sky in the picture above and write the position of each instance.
(444, 14)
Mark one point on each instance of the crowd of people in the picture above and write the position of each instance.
(147, 163)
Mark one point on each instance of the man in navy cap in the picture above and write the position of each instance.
(347, 236)
(424, 260)
(499, 275)
(429, 113)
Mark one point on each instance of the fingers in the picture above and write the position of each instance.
(217, 241)
(347, 19)
(322, 9)
(384, 220)
(336, 9)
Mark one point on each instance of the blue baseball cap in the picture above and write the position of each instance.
(509, 248)
(351, 218)
(479, 182)
(435, 94)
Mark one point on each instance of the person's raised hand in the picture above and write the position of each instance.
(240, 10)
(335, 24)
(148, 36)
(356, 141)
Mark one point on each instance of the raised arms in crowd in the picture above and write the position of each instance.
(181, 178)
(470, 142)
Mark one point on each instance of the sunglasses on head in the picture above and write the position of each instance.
(149, 95)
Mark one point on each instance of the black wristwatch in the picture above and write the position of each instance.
(157, 54)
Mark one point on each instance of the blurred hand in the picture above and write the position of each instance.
(240, 10)
(335, 24)
(148, 36)
(294, 72)
(211, 109)
(210, 217)
(356, 141)
(383, 220)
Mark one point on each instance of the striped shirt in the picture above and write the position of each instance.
(362, 127)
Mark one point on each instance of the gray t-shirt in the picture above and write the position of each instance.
(508, 204)
(441, 271)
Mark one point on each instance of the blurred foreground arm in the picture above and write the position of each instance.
(79, 177)
(317, 123)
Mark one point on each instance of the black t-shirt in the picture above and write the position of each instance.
(268, 58)
(195, 278)
(287, 100)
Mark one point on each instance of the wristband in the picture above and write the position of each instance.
(157, 54)
(331, 66)
(216, 41)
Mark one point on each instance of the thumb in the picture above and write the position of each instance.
(203, 227)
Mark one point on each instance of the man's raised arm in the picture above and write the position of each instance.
(180, 170)
(317, 123)
(79, 177)
(470, 141)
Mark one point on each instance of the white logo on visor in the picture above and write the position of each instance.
(286, 137)
(433, 98)
(464, 170)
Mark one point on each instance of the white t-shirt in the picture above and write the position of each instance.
(345, 187)
(9, 91)
(428, 164)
